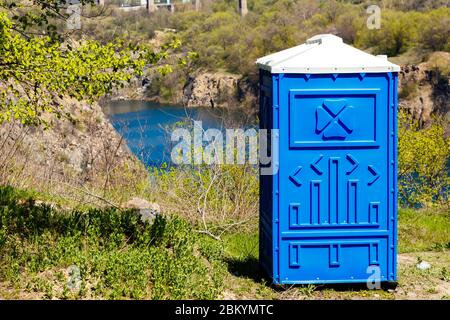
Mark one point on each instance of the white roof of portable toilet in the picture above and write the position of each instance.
(325, 53)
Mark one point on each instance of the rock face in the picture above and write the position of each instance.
(84, 151)
(201, 89)
(424, 89)
(146, 210)
(212, 90)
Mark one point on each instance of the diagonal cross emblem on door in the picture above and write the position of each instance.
(334, 119)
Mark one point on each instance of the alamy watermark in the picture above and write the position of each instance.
(74, 275)
(73, 11)
(229, 146)
(374, 279)
(374, 19)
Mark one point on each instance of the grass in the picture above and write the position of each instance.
(422, 234)
(103, 254)
(422, 230)
(245, 281)
(110, 254)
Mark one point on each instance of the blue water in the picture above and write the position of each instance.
(146, 126)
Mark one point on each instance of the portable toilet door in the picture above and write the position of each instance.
(329, 214)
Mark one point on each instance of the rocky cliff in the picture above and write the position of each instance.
(199, 89)
(424, 88)
(84, 152)
(211, 89)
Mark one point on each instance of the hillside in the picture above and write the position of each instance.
(224, 72)
(71, 159)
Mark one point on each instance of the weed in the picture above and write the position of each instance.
(421, 230)
(445, 274)
(307, 290)
(409, 91)
(117, 255)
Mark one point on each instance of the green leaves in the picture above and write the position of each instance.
(401, 31)
(423, 157)
(118, 255)
(37, 72)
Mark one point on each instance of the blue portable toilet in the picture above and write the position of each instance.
(329, 213)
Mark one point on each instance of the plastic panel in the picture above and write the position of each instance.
(332, 204)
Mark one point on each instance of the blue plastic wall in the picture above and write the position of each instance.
(330, 211)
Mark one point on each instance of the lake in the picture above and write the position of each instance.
(146, 126)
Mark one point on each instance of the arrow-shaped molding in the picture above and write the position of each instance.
(375, 174)
(353, 162)
(315, 167)
(294, 176)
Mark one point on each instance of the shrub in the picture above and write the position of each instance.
(211, 195)
(398, 32)
(423, 170)
(435, 34)
(409, 90)
(118, 256)
(225, 40)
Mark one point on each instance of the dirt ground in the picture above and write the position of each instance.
(413, 283)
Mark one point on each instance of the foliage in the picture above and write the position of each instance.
(409, 90)
(133, 27)
(401, 31)
(40, 16)
(223, 39)
(421, 230)
(435, 34)
(439, 62)
(396, 35)
(408, 5)
(213, 197)
(38, 69)
(226, 41)
(118, 255)
(423, 171)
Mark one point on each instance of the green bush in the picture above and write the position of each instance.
(409, 90)
(399, 31)
(118, 255)
(435, 34)
(423, 156)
